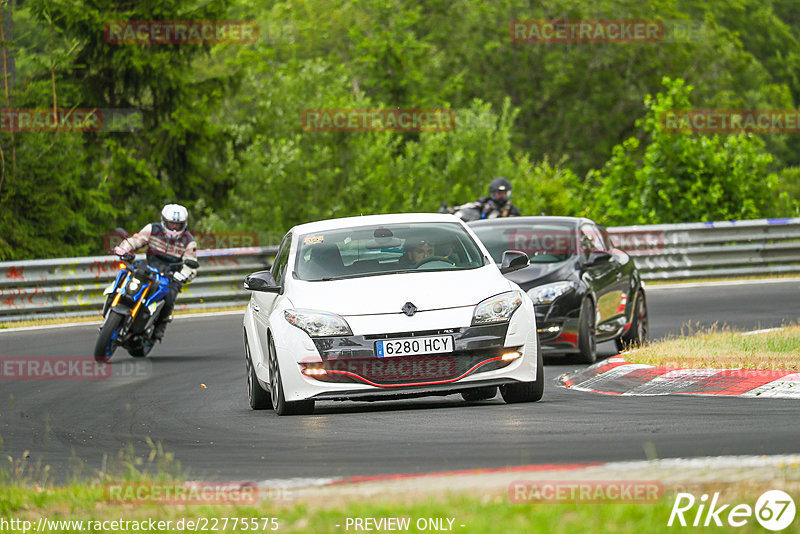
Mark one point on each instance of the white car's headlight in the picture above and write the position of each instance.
(549, 292)
(497, 309)
(318, 323)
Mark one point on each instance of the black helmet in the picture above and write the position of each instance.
(500, 190)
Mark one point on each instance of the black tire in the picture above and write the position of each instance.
(637, 336)
(259, 398)
(479, 394)
(105, 346)
(279, 402)
(142, 348)
(526, 391)
(587, 342)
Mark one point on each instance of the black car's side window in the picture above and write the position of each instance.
(281, 260)
(591, 240)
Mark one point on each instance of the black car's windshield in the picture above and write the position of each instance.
(542, 242)
(385, 249)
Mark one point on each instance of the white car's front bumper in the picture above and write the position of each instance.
(353, 371)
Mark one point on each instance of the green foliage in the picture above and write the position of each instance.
(679, 177)
(51, 206)
(221, 130)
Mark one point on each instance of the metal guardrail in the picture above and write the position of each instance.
(712, 249)
(74, 286)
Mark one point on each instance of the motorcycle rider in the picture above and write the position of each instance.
(497, 204)
(168, 244)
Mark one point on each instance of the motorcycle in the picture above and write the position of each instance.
(467, 212)
(133, 303)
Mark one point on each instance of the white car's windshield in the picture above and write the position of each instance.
(385, 249)
(543, 243)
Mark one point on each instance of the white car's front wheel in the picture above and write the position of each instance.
(259, 399)
(279, 402)
(526, 391)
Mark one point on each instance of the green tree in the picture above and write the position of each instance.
(682, 177)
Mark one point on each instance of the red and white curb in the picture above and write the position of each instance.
(616, 376)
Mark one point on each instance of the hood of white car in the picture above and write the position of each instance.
(372, 295)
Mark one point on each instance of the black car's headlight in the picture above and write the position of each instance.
(497, 309)
(549, 292)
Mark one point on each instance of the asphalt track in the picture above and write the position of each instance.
(213, 433)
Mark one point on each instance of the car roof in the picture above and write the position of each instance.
(512, 221)
(369, 220)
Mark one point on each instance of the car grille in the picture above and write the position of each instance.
(407, 370)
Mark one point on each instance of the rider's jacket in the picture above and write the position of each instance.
(163, 251)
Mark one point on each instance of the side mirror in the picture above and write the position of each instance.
(598, 258)
(261, 281)
(513, 260)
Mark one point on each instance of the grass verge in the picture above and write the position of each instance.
(83, 505)
(456, 512)
(725, 348)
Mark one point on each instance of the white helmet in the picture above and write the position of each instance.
(174, 219)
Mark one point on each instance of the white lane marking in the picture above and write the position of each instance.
(289, 483)
(763, 331)
(98, 323)
(711, 462)
(721, 283)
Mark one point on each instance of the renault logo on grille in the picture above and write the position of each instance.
(409, 309)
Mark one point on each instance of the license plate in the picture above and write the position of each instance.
(413, 345)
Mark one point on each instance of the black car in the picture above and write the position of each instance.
(583, 289)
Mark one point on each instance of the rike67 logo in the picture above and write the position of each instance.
(774, 510)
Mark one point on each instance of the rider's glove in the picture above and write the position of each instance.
(179, 277)
(119, 251)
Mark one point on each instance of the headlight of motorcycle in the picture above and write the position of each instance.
(497, 309)
(549, 292)
(133, 286)
(317, 323)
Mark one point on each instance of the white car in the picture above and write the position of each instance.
(388, 306)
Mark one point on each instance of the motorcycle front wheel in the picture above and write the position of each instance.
(106, 341)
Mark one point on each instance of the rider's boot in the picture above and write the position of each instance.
(160, 328)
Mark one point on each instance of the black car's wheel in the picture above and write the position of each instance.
(279, 402)
(479, 394)
(587, 343)
(258, 397)
(108, 339)
(526, 391)
(637, 335)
